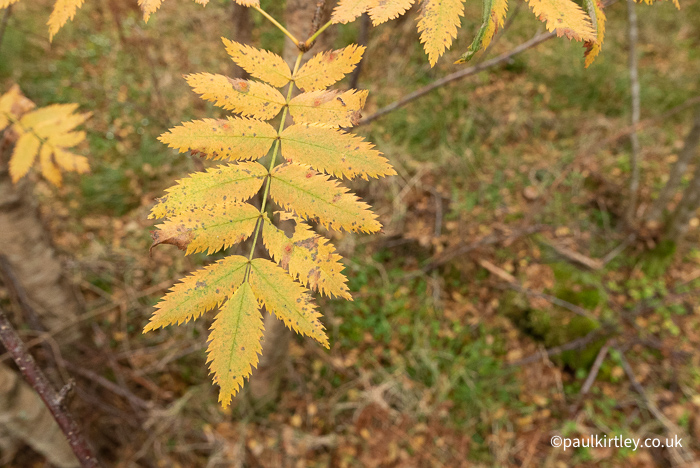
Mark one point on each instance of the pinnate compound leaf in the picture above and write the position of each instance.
(235, 342)
(204, 290)
(287, 299)
(313, 195)
(261, 64)
(48, 168)
(593, 48)
(327, 68)
(331, 108)
(494, 15)
(204, 190)
(63, 11)
(437, 24)
(236, 139)
(245, 97)
(23, 155)
(333, 151)
(214, 228)
(385, 10)
(308, 257)
(564, 16)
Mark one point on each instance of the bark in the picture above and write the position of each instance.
(264, 384)
(25, 244)
(678, 170)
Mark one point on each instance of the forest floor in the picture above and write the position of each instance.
(504, 272)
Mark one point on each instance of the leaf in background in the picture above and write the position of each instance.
(48, 168)
(327, 68)
(494, 15)
(437, 24)
(71, 162)
(308, 257)
(287, 299)
(23, 155)
(63, 11)
(349, 10)
(7, 3)
(331, 108)
(236, 139)
(565, 17)
(245, 97)
(12, 105)
(203, 190)
(234, 342)
(261, 64)
(593, 48)
(386, 10)
(313, 195)
(333, 151)
(218, 227)
(205, 289)
(248, 3)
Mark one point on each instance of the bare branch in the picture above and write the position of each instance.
(634, 90)
(36, 378)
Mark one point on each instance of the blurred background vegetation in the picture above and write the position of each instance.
(498, 234)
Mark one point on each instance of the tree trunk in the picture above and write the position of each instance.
(634, 90)
(678, 170)
(31, 256)
(242, 32)
(264, 384)
(678, 223)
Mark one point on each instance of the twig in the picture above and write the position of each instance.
(36, 378)
(634, 90)
(537, 40)
(488, 240)
(3, 25)
(619, 249)
(578, 343)
(362, 39)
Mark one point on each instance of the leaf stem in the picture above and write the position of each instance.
(309, 42)
(275, 151)
(278, 25)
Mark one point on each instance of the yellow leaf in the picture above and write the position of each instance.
(593, 48)
(329, 107)
(248, 3)
(333, 151)
(56, 118)
(349, 10)
(205, 190)
(204, 290)
(261, 64)
(494, 14)
(236, 139)
(308, 257)
(313, 195)
(23, 155)
(7, 3)
(388, 10)
(66, 140)
(327, 68)
(437, 24)
(564, 16)
(214, 228)
(71, 162)
(248, 98)
(149, 7)
(287, 299)
(13, 104)
(48, 168)
(234, 342)
(63, 11)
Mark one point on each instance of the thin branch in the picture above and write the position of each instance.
(362, 40)
(634, 90)
(36, 378)
(537, 40)
(600, 358)
(578, 343)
